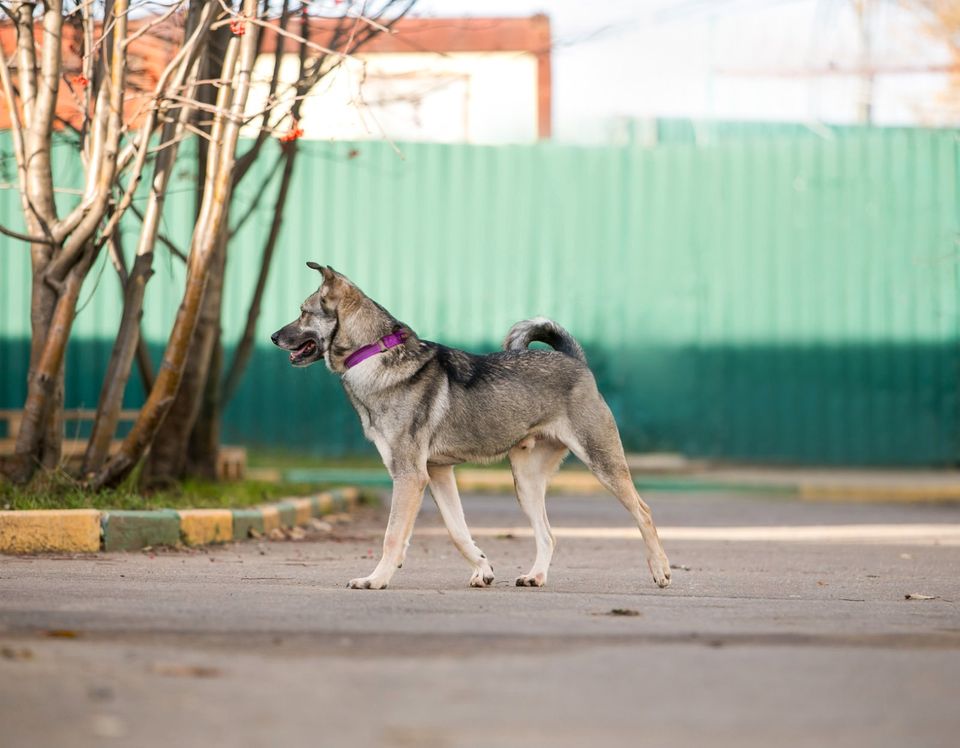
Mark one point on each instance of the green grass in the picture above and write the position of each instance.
(58, 491)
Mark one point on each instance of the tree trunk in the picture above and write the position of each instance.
(51, 444)
(61, 263)
(167, 460)
(204, 449)
(43, 302)
(42, 421)
(118, 370)
(166, 463)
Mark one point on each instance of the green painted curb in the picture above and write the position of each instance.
(245, 520)
(133, 530)
(288, 514)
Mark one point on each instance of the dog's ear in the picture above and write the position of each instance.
(333, 285)
(328, 273)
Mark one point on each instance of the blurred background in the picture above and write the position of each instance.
(746, 210)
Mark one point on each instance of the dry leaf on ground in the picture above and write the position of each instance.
(182, 670)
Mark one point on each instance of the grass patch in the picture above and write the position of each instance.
(59, 491)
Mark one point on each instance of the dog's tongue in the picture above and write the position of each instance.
(304, 350)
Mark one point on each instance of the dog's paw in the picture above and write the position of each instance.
(482, 576)
(660, 568)
(531, 580)
(367, 583)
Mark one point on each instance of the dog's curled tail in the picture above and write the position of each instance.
(546, 331)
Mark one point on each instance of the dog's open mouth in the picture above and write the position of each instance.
(306, 351)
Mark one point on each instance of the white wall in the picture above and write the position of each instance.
(676, 58)
(457, 97)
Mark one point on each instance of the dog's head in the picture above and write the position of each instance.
(310, 335)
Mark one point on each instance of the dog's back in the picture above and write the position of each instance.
(492, 401)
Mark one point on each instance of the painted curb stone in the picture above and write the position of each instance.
(133, 530)
(245, 520)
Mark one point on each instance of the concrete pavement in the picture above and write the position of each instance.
(757, 642)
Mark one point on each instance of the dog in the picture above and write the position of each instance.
(428, 407)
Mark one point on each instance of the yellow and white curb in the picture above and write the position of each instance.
(50, 530)
(91, 530)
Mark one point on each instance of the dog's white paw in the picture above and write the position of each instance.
(660, 568)
(482, 576)
(531, 580)
(367, 583)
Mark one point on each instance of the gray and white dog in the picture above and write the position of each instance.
(427, 408)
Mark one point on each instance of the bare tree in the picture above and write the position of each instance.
(198, 408)
(63, 248)
(125, 132)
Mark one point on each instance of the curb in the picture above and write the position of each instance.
(50, 530)
(91, 530)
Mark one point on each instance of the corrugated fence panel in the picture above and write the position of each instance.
(767, 294)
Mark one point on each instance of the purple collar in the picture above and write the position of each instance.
(397, 337)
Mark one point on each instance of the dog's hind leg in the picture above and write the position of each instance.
(533, 463)
(596, 441)
(443, 486)
(404, 505)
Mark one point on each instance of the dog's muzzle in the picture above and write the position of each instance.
(307, 350)
(304, 349)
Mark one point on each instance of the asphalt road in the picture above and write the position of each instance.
(756, 643)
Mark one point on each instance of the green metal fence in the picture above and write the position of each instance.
(770, 296)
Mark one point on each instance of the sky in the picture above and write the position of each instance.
(722, 59)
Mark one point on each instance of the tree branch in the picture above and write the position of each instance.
(258, 194)
(164, 240)
(156, 21)
(178, 67)
(24, 237)
(51, 62)
(26, 59)
(87, 72)
(104, 169)
(245, 161)
(242, 353)
(16, 129)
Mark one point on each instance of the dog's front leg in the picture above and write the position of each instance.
(404, 506)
